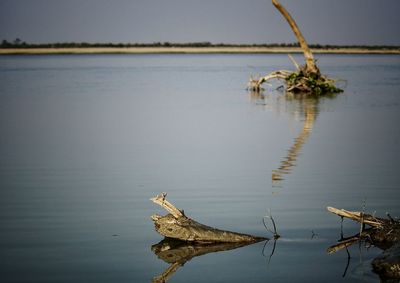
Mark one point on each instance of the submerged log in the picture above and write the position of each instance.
(177, 225)
(384, 233)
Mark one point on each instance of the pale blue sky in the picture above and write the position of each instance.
(369, 22)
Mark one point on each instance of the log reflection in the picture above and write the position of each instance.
(177, 253)
(308, 108)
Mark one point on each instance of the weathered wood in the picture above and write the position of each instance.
(309, 58)
(178, 226)
(294, 62)
(359, 217)
(307, 79)
(255, 83)
(160, 200)
(385, 234)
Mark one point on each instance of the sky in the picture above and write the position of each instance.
(341, 22)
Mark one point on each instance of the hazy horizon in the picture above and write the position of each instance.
(356, 22)
(184, 44)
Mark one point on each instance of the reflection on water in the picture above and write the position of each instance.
(309, 109)
(344, 243)
(86, 140)
(177, 253)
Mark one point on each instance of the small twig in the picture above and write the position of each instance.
(161, 200)
(275, 232)
(294, 62)
(266, 227)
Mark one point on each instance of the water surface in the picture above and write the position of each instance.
(86, 140)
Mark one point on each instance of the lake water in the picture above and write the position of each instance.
(86, 140)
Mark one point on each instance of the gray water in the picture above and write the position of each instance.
(86, 140)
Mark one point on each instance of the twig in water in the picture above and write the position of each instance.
(313, 234)
(275, 232)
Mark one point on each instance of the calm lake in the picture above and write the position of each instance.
(87, 140)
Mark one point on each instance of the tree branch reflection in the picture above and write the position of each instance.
(177, 253)
(309, 110)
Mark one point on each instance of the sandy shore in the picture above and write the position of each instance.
(189, 50)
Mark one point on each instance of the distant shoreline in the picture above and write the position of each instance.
(190, 50)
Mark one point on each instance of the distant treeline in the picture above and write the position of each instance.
(17, 43)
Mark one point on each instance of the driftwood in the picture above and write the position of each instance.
(383, 233)
(310, 66)
(308, 78)
(177, 225)
(177, 253)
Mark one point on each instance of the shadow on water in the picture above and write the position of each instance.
(177, 253)
(296, 105)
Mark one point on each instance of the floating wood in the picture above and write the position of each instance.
(359, 217)
(384, 233)
(177, 225)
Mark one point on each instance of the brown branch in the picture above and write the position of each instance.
(309, 58)
(294, 62)
(176, 225)
(357, 216)
(160, 200)
(255, 84)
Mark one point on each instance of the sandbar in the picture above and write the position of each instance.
(190, 50)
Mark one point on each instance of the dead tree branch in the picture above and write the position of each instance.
(309, 58)
(177, 225)
(384, 233)
(307, 79)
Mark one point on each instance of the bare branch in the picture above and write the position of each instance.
(357, 216)
(160, 200)
(275, 232)
(294, 62)
(310, 62)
